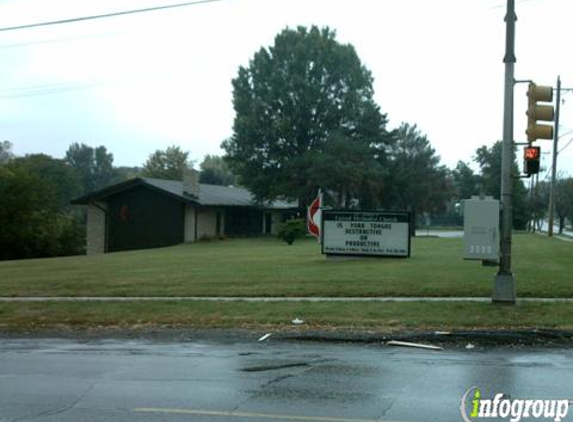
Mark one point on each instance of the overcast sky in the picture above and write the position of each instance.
(142, 82)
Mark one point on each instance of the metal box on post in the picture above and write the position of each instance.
(481, 229)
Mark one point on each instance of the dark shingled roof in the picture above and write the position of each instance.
(209, 195)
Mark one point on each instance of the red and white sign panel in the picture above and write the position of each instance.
(313, 215)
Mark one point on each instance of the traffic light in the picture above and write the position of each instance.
(531, 156)
(541, 112)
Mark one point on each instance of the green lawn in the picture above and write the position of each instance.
(268, 267)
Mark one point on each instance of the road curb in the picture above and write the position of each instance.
(452, 339)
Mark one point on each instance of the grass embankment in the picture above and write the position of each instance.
(378, 316)
(267, 267)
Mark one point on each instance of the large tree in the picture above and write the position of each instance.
(348, 171)
(32, 222)
(417, 181)
(215, 171)
(94, 165)
(292, 100)
(65, 183)
(167, 164)
(489, 160)
(466, 182)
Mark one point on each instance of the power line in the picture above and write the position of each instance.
(108, 15)
(548, 173)
(59, 40)
(566, 145)
(569, 132)
(56, 88)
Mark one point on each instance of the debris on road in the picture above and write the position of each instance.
(470, 346)
(416, 345)
(266, 336)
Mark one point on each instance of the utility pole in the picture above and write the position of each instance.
(554, 167)
(504, 283)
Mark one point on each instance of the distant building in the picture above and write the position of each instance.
(149, 213)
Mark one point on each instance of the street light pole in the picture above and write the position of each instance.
(504, 283)
(554, 167)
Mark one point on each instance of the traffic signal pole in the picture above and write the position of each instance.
(504, 283)
(554, 166)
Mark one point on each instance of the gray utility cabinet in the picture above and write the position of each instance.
(481, 229)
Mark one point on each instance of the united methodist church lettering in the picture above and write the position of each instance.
(366, 233)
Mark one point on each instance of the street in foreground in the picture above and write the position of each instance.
(140, 380)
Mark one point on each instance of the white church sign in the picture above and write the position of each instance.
(366, 233)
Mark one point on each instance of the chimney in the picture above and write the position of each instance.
(191, 182)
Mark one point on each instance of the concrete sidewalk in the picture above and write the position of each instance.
(264, 299)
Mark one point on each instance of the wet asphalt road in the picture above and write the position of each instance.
(116, 380)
